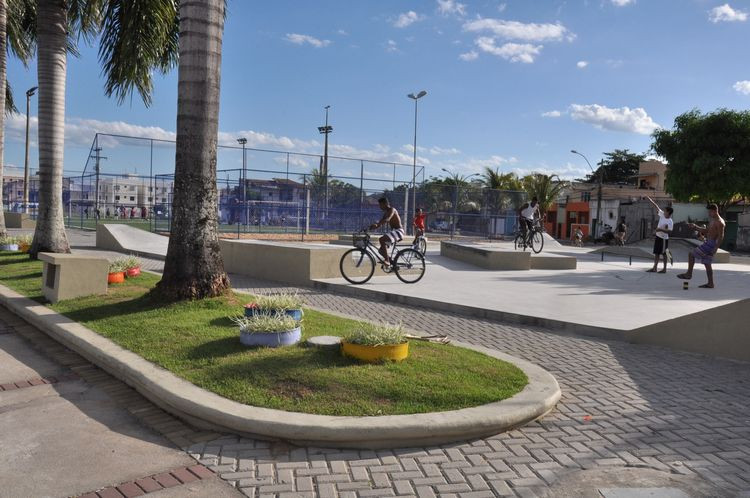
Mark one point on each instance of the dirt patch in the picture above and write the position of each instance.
(291, 389)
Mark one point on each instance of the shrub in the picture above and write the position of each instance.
(8, 240)
(26, 239)
(265, 322)
(282, 301)
(131, 262)
(117, 266)
(383, 334)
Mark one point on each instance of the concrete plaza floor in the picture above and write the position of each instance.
(631, 416)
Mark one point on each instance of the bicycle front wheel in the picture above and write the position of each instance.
(537, 242)
(422, 245)
(409, 264)
(357, 266)
(518, 242)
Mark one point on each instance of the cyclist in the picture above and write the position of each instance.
(528, 213)
(395, 234)
(419, 216)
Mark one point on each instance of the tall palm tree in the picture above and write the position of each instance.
(495, 180)
(3, 42)
(546, 188)
(193, 268)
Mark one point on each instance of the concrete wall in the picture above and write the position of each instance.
(294, 263)
(484, 257)
(18, 220)
(720, 331)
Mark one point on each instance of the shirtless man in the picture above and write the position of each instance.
(395, 234)
(705, 252)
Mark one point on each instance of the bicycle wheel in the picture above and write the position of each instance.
(422, 245)
(357, 266)
(518, 242)
(409, 264)
(537, 242)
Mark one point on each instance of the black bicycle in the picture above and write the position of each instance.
(534, 239)
(358, 264)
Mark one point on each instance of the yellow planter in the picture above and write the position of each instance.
(372, 354)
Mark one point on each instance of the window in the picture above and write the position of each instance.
(20, 192)
(149, 199)
(163, 199)
(132, 198)
(586, 196)
(117, 197)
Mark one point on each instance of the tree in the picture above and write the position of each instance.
(619, 166)
(3, 83)
(708, 156)
(546, 188)
(495, 180)
(193, 268)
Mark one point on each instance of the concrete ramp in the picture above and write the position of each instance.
(124, 238)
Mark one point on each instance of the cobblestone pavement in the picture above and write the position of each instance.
(629, 415)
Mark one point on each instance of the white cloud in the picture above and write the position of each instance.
(725, 13)
(551, 114)
(622, 119)
(342, 32)
(623, 3)
(514, 30)
(742, 87)
(299, 39)
(514, 52)
(451, 7)
(391, 46)
(440, 151)
(469, 56)
(582, 64)
(501, 7)
(407, 19)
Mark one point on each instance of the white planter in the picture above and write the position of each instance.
(271, 339)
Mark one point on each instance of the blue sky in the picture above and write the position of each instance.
(512, 84)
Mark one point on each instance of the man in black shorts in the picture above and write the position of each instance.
(661, 236)
(395, 234)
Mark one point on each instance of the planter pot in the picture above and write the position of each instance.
(132, 272)
(116, 278)
(24, 247)
(295, 313)
(9, 247)
(373, 354)
(271, 339)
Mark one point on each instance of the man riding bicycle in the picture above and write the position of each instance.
(395, 234)
(419, 227)
(528, 213)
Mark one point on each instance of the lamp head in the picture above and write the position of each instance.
(242, 141)
(31, 91)
(421, 94)
(574, 151)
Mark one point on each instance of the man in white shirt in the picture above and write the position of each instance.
(528, 213)
(661, 235)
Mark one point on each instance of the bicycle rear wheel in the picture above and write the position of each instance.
(537, 242)
(409, 265)
(519, 242)
(357, 266)
(422, 245)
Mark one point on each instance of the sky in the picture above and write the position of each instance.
(513, 84)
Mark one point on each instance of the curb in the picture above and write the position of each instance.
(208, 410)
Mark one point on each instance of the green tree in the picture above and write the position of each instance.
(618, 166)
(707, 155)
(546, 188)
(494, 179)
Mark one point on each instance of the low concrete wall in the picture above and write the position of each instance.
(67, 276)
(720, 331)
(553, 262)
(484, 257)
(294, 263)
(18, 220)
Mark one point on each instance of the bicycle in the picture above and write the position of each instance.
(420, 243)
(534, 239)
(357, 265)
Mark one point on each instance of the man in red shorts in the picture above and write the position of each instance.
(419, 217)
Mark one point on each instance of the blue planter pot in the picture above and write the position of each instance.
(9, 247)
(271, 339)
(296, 313)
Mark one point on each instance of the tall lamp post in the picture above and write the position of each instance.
(414, 167)
(599, 194)
(325, 130)
(243, 141)
(29, 93)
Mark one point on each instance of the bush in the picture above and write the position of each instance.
(282, 301)
(368, 334)
(117, 266)
(131, 262)
(8, 240)
(265, 322)
(26, 239)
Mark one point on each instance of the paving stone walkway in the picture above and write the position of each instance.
(630, 416)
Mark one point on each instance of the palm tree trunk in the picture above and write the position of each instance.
(49, 235)
(3, 51)
(193, 268)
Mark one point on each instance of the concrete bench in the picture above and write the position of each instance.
(18, 220)
(294, 263)
(548, 261)
(67, 276)
(490, 258)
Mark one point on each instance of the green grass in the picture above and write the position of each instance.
(198, 342)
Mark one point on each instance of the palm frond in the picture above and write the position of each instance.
(10, 105)
(21, 29)
(137, 37)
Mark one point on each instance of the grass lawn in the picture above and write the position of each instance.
(197, 341)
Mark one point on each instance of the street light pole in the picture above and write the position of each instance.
(599, 194)
(29, 93)
(414, 166)
(325, 130)
(243, 141)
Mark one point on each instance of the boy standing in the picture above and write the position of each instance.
(661, 240)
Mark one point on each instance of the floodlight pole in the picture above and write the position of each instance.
(325, 130)
(414, 164)
(243, 141)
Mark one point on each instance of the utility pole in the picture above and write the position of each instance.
(599, 199)
(29, 93)
(325, 130)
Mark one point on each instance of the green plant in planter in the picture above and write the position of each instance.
(265, 323)
(8, 240)
(131, 262)
(370, 334)
(117, 266)
(281, 301)
(25, 239)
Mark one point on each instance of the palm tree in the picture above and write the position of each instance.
(193, 268)
(495, 180)
(546, 188)
(3, 38)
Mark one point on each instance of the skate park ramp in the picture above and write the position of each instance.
(123, 238)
